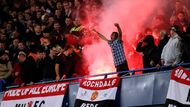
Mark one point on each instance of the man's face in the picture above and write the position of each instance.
(178, 5)
(8, 26)
(4, 57)
(53, 51)
(3, 37)
(15, 42)
(51, 20)
(21, 58)
(21, 46)
(40, 55)
(20, 17)
(173, 20)
(66, 5)
(68, 21)
(37, 8)
(113, 36)
(77, 21)
(76, 3)
(56, 26)
(172, 32)
(59, 5)
(162, 35)
(2, 46)
(58, 13)
(13, 14)
(27, 16)
(37, 29)
(181, 16)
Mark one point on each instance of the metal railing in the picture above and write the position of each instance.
(105, 75)
(152, 83)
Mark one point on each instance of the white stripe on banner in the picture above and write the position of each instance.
(106, 94)
(53, 101)
(178, 92)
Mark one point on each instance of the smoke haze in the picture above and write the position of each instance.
(133, 16)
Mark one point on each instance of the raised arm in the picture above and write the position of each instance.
(119, 30)
(101, 36)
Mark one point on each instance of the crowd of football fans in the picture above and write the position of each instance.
(41, 40)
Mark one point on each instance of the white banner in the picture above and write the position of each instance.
(179, 88)
(97, 93)
(42, 95)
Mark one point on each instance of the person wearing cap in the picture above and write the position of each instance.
(5, 69)
(28, 68)
(172, 52)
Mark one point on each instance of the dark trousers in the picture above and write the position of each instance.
(122, 67)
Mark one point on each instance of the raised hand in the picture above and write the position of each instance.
(94, 30)
(116, 24)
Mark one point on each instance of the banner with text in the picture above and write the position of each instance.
(97, 93)
(179, 88)
(41, 95)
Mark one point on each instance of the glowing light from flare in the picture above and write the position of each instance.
(102, 70)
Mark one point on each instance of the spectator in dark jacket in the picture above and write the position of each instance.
(49, 65)
(63, 64)
(41, 54)
(28, 68)
(68, 25)
(186, 45)
(149, 51)
(162, 42)
(5, 69)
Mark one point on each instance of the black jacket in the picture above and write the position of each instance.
(149, 51)
(28, 70)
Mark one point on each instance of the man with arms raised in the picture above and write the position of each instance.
(117, 49)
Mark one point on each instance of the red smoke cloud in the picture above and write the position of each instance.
(133, 16)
